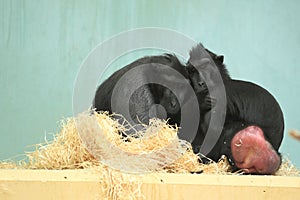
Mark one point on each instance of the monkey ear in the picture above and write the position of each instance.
(220, 58)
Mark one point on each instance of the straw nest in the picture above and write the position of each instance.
(94, 141)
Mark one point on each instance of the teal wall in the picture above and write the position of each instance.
(43, 43)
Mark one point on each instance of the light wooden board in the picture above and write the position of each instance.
(86, 184)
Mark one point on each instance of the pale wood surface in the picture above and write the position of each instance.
(86, 184)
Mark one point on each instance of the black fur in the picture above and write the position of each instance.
(247, 104)
(146, 96)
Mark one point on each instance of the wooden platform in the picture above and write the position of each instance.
(85, 184)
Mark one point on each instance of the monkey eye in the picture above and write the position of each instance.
(192, 69)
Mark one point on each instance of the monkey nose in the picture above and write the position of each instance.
(201, 83)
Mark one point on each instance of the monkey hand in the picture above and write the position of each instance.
(207, 103)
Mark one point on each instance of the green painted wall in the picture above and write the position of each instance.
(43, 43)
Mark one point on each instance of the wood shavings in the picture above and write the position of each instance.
(158, 140)
(295, 134)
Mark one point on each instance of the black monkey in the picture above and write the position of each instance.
(254, 127)
(151, 99)
(197, 80)
(254, 124)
